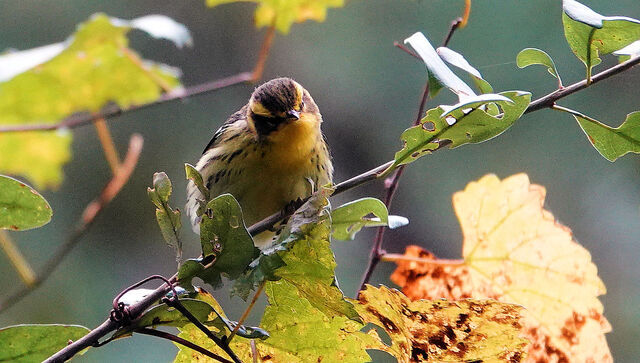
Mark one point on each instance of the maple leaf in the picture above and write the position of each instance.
(514, 251)
(282, 14)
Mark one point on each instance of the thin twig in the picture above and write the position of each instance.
(222, 343)
(114, 110)
(88, 217)
(186, 343)
(246, 311)
(406, 50)
(264, 53)
(108, 146)
(17, 259)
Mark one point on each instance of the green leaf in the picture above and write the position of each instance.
(21, 207)
(591, 35)
(461, 124)
(610, 142)
(283, 13)
(225, 238)
(529, 56)
(445, 331)
(439, 74)
(298, 333)
(36, 342)
(350, 218)
(91, 69)
(194, 175)
(168, 219)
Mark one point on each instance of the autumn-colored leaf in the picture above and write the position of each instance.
(514, 251)
(283, 14)
(445, 331)
(92, 68)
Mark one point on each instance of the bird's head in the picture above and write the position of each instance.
(277, 103)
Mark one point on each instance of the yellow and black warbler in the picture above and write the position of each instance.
(269, 153)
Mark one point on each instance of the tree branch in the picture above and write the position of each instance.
(114, 110)
(548, 100)
(92, 210)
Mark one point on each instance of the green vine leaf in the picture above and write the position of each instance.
(530, 56)
(468, 122)
(21, 207)
(298, 333)
(283, 13)
(350, 218)
(36, 342)
(93, 67)
(225, 241)
(591, 35)
(610, 142)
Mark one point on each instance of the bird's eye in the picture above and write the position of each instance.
(301, 105)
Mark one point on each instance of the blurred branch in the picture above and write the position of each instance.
(394, 257)
(17, 259)
(264, 53)
(92, 210)
(108, 146)
(115, 110)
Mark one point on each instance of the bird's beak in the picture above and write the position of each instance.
(293, 114)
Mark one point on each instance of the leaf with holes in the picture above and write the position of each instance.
(444, 331)
(514, 251)
(225, 241)
(610, 142)
(591, 35)
(92, 68)
(35, 342)
(350, 218)
(21, 207)
(283, 13)
(461, 124)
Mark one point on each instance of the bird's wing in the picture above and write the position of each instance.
(238, 115)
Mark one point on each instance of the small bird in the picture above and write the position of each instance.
(268, 154)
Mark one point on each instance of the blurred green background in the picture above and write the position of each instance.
(368, 92)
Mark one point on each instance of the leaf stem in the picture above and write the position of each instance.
(108, 146)
(247, 311)
(589, 65)
(186, 343)
(573, 112)
(17, 259)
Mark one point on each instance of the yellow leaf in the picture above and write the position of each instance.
(94, 67)
(283, 13)
(445, 331)
(514, 251)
